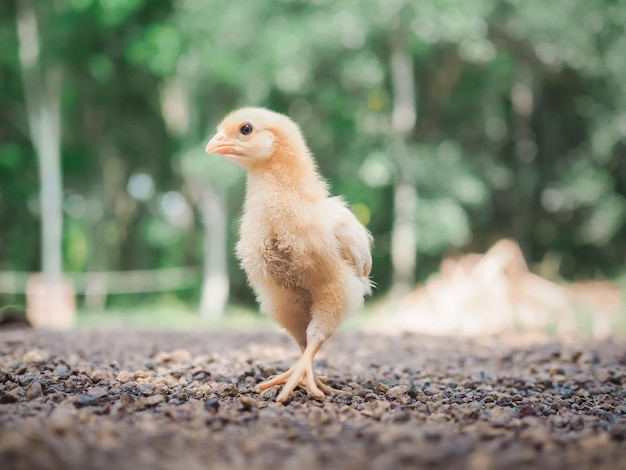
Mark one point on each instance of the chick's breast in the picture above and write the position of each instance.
(328, 246)
(290, 256)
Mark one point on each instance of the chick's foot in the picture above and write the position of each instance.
(301, 374)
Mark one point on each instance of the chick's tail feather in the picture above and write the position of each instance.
(368, 285)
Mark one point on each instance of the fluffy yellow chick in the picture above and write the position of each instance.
(306, 255)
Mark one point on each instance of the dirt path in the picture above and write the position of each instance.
(132, 400)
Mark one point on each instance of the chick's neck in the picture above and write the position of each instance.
(287, 174)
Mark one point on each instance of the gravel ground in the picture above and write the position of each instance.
(135, 400)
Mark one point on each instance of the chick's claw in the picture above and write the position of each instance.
(321, 380)
(273, 381)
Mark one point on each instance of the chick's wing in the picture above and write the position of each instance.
(353, 239)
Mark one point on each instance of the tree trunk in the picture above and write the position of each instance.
(182, 120)
(215, 286)
(525, 151)
(50, 298)
(404, 238)
(42, 90)
(403, 119)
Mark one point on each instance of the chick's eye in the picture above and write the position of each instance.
(246, 129)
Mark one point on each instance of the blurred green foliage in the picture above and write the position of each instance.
(521, 125)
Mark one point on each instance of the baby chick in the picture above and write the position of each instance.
(306, 255)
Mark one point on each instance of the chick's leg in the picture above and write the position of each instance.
(301, 373)
(329, 305)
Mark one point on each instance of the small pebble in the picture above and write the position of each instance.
(124, 377)
(212, 404)
(247, 402)
(35, 390)
(396, 391)
(84, 400)
(6, 397)
(146, 402)
(97, 392)
(62, 371)
(381, 388)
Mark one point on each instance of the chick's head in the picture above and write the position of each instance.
(251, 136)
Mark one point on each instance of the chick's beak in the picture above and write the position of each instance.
(220, 144)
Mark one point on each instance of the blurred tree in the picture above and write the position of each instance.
(404, 234)
(42, 90)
